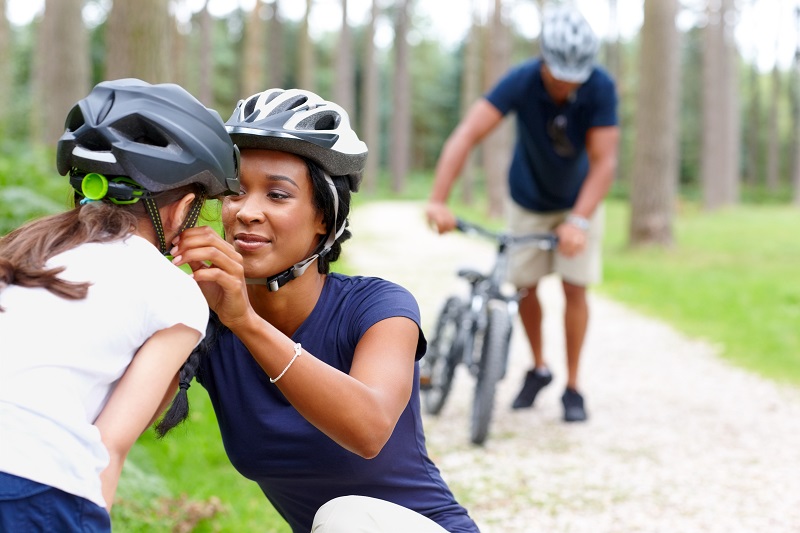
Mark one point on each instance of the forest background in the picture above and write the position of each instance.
(708, 186)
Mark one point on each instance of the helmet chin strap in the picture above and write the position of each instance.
(191, 219)
(298, 269)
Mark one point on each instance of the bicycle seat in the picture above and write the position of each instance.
(473, 276)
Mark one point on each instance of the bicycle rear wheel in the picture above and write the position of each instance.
(494, 354)
(444, 352)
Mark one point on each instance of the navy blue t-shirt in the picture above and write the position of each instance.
(550, 162)
(297, 466)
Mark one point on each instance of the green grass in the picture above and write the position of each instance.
(185, 480)
(731, 278)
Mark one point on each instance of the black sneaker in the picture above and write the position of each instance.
(573, 406)
(534, 382)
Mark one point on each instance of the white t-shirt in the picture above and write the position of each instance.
(61, 359)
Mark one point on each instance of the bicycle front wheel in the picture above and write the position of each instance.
(494, 354)
(444, 352)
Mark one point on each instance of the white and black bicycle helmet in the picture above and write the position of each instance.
(568, 44)
(302, 123)
(160, 136)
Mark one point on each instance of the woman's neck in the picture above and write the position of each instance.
(288, 307)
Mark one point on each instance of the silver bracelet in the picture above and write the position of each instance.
(297, 351)
(579, 222)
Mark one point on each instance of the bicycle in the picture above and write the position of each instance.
(476, 332)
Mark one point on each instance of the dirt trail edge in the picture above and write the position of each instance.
(677, 440)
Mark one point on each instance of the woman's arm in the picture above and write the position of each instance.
(139, 397)
(357, 410)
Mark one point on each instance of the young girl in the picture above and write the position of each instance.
(313, 374)
(94, 322)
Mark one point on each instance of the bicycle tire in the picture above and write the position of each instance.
(443, 355)
(494, 354)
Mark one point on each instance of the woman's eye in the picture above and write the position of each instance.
(277, 195)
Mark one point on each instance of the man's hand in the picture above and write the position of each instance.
(440, 217)
(571, 239)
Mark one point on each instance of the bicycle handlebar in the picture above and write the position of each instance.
(545, 241)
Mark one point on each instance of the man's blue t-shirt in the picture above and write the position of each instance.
(550, 162)
(297, 466)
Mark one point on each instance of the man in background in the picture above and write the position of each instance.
(563, 165)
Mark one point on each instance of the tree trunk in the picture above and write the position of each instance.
(345, 70)
(178, 57)
(613, 53)
(61, 65)
(615, 65)
(655, 168)
(498, 145)
(470, 92)
(137, 37)
(370, 113)
(276, 70)
(307, 62)
(752, 135)
(253, 52)
(773, 132)
(400, 153)
(6, 73)
(720, 154)
(206, 91)
(796, 114)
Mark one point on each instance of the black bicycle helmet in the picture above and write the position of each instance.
(160, 136)
(568, 44)
(302, 123)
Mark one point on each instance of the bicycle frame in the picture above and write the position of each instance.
(476, 332)
(485, 288)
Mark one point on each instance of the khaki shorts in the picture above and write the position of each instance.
(528, 264)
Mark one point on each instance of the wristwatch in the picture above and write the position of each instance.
(579, 222)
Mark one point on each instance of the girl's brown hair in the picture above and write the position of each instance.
(24, 252)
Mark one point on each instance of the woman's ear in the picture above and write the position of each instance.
(320, 224)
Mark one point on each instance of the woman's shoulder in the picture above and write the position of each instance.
(369, 284)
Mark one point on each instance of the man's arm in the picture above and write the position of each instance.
(479, 121)
(601, 147)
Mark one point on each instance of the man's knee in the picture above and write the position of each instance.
(574, 293)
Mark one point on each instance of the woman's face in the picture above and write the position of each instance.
(273, 222)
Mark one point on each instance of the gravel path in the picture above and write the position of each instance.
(677, 440)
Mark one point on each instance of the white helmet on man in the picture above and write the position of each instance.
(568, 43)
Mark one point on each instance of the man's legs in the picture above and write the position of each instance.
(530, 312)
(576, 320)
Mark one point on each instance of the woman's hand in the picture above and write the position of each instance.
(218, 270)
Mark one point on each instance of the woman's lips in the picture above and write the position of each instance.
(248, 242)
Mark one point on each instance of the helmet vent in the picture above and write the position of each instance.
(290, 103)
(106, 109)
(94, 141)
(136, 129)
(75, 119)
(321, 120)
(249, 107)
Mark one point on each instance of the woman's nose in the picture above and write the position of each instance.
(250, 211)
